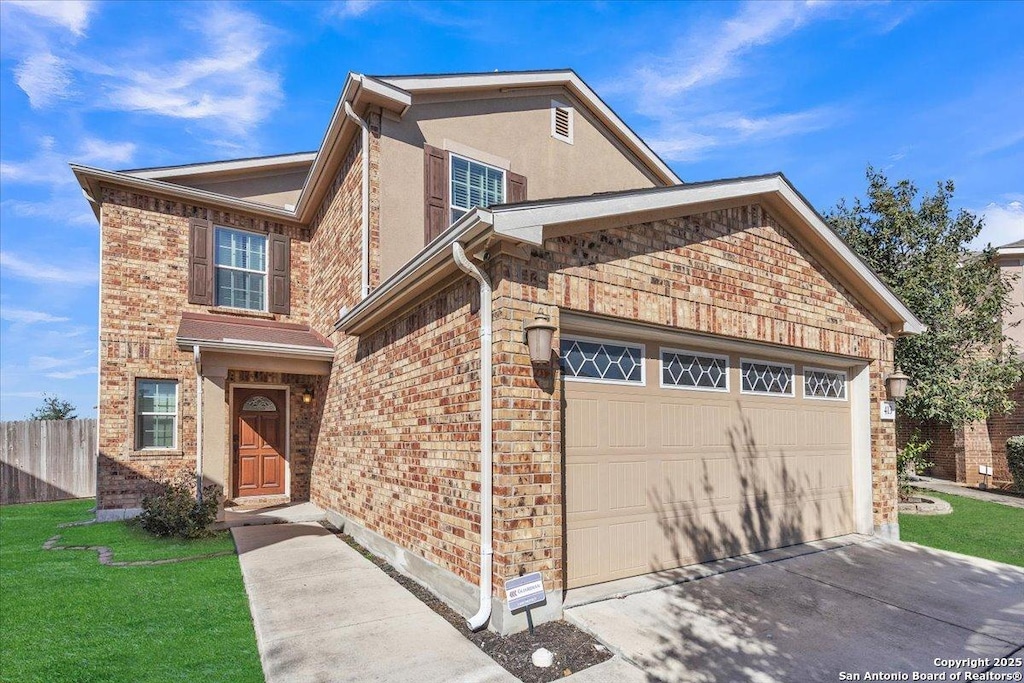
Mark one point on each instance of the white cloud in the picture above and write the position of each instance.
(15, 266)
(1004, 223)
(226, 83)
(349, 9)
(49, 166)
(72, 374)
(44, 77)
(72, 15)
(96, 151)
(27, 317)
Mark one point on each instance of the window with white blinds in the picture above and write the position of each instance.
(474, 184)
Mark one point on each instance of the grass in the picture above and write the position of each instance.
(66, 617)
(975, 527)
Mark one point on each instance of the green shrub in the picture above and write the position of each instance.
(1015, 460)
(176, 512)
(910, 461)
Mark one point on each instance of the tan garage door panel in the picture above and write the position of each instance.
(658, 477)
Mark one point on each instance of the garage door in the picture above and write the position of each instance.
(683, 455)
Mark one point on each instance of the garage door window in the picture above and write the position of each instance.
(824, 384)
(762, 377)
(596, 360)
(689, 370)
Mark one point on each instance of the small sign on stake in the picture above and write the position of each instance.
(524, 592)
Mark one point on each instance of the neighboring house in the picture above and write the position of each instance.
(959, 453)
(325, 326)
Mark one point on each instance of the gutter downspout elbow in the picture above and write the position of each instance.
(198, 360)
(478, 620)
(365, 154)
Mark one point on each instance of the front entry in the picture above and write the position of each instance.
(259, 442)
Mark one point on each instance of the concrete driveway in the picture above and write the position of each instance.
(865, 608)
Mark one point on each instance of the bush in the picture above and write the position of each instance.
(176, 512)
(910, 461)
(1015, 460)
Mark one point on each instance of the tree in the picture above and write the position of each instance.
(962, 368)
(54, 408)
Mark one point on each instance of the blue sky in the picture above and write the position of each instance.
(817, 90)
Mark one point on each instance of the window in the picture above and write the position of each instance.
(688, 370)
(474, 184)
(241, 264)
(156, 414)
(820, 383)
(602, 361)
(259, 404)
(761, 377)
(561, 121)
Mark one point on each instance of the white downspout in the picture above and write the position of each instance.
(478, 620)
(197, 359)
(350, 113)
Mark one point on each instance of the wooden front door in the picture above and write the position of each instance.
(259, 442)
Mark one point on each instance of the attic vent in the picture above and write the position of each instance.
(561, 121)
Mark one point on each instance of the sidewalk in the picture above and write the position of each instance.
(325, 613)
(954, 489)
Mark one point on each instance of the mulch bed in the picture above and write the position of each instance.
(574, 650)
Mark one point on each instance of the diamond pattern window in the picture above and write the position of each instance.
(824, 384)
(760, 377)
(694, 371)
(602, 361)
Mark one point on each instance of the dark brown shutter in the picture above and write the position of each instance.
(435, 192)
(516, 188)
(200, 262)
(279, 273)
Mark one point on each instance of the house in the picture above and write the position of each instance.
(348, 326)
(960, 453)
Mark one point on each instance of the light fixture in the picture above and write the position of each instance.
(307, 396)
(538, 337)
(896, 384)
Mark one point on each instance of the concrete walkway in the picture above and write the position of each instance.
(954, 489)
(289, 513)
(323, 612)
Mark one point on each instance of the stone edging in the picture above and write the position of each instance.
(106, 555)
(930, 506)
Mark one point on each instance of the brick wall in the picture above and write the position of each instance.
(398, 448)
(143, 285)
(1001, 427)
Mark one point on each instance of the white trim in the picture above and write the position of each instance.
(690, 352)
(1010, 251)
(774, 363)
(614, 342)
(192, 170)
(832, 371)
(259, 348)
(138, 447)
(555, 107)
(859, 390)
(287, 434)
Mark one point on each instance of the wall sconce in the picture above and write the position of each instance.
(896, 384)
(537, 335)
(307, 396)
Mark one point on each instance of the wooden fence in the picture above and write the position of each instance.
(47, 460)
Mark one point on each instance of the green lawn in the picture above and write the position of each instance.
(66, 617)
(989, 530)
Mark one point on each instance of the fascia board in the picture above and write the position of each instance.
(89, 178)
(194, 170)
(258, 348)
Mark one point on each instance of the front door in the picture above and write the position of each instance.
(259, 442)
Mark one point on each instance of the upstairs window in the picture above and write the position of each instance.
(241, 269)
(474, 184)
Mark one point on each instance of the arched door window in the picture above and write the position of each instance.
(259, 404)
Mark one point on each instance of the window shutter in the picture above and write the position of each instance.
(435, 193)
(279, 273)
(200, 262)
(516, 188)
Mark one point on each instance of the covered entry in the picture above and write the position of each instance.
(678, 453)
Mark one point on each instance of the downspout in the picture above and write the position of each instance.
(197, 359)
(350, 113)
(478, 620)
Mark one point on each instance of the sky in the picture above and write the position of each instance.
(817, 90)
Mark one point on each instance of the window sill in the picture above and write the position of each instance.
(156, 453)
(241, 312)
